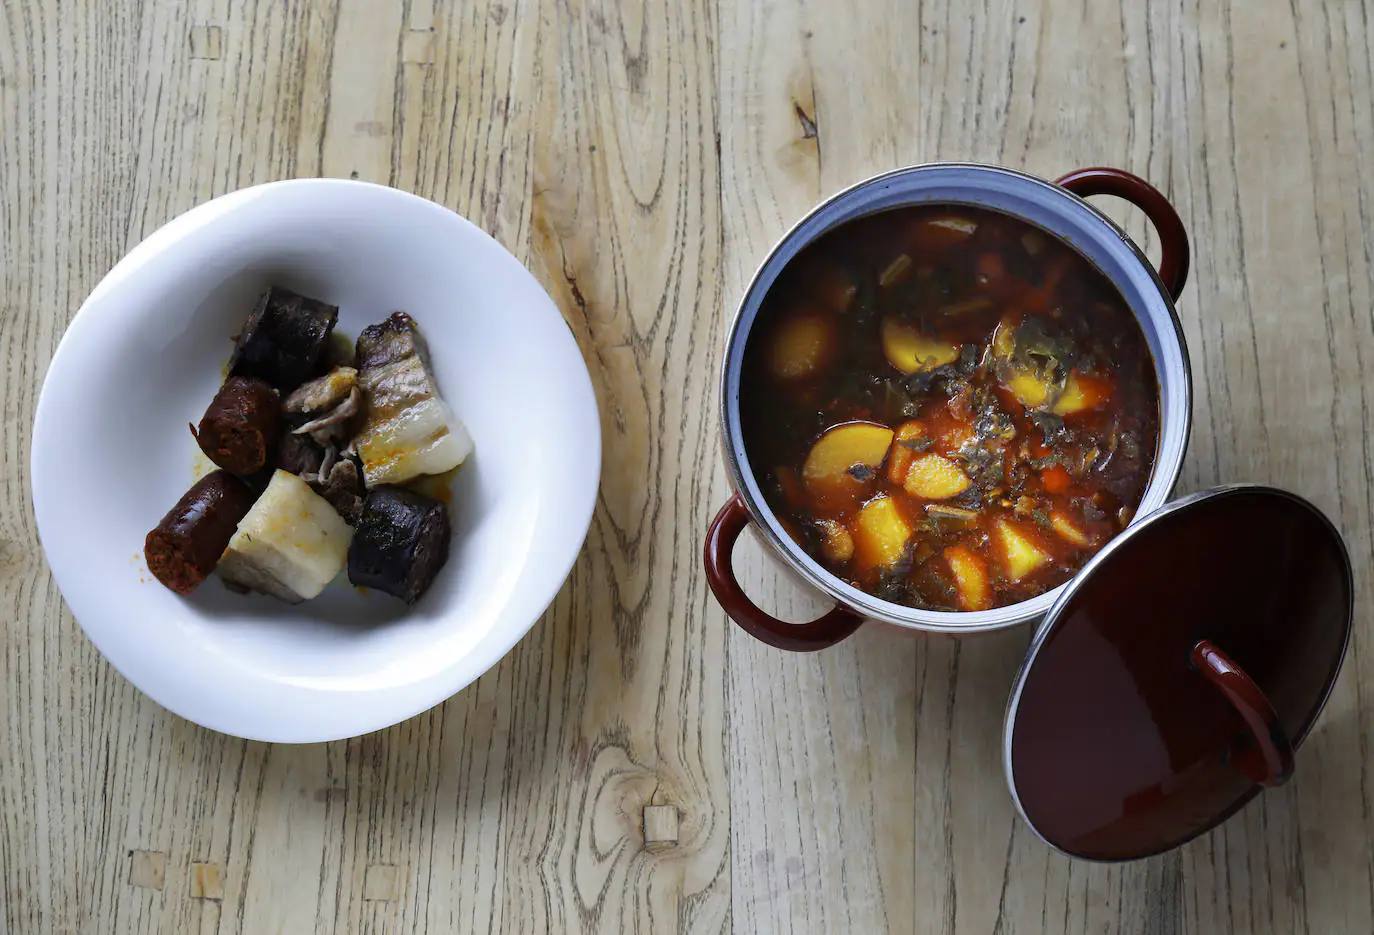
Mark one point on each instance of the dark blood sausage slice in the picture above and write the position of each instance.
(285, 340)
(240, 429)
(400, 542)
(184, 548)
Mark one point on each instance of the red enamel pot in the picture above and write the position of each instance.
(1174, 675)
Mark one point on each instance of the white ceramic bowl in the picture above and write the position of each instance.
(143, 357)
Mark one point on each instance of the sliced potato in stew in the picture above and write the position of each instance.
(1082, 392)
(910, 351)
(933, 477)
(837, 544)
(908, 441)
(1070, 530)
(1020, 553)
(844, 462)
(970, 577)
(801, 346)
(881, 533)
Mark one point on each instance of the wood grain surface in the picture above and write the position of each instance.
(637, 764)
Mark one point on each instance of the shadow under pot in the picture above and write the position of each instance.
(956, 398)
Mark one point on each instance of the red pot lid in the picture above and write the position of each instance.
(1177, 671)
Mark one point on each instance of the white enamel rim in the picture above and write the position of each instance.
(397, 672)
(1070, 588)
(1063, 213)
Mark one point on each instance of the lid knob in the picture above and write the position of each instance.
(1269, 761)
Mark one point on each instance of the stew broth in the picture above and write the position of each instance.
(948, 407)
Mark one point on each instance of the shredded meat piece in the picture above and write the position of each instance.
(333, 425)
(342, 485)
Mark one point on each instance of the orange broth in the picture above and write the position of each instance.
(948, 407)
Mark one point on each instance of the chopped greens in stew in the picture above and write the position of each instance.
(948, 407)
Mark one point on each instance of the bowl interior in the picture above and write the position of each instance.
(112, 453)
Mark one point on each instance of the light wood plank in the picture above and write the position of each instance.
(625, 233)
(822, 768)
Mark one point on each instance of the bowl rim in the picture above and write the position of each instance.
(1164, 472)
(415, 697)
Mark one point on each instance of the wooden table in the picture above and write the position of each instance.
(640, 158)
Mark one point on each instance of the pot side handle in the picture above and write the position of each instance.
(1270, 761)
(1173, 239)
(720, 575)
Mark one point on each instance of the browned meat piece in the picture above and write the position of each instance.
(391, 341)
(298, 454)
(325, 407)
(408, 430)
(334, 426)
(342, 485)
(322, 393)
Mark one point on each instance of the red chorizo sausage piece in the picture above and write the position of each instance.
(184, 548)
(241, 426)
